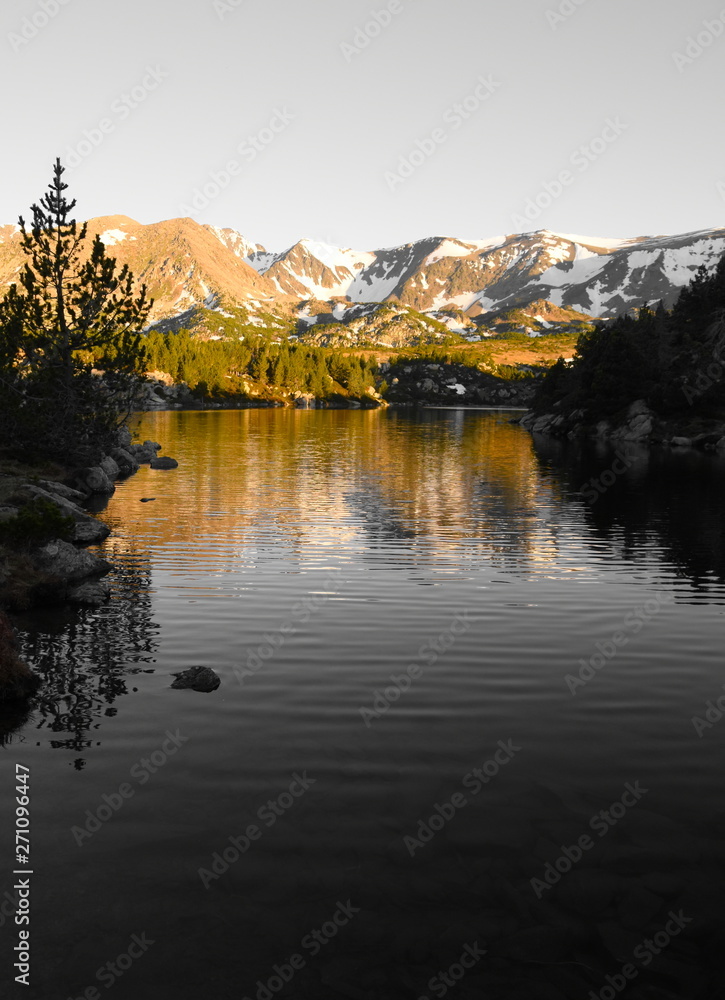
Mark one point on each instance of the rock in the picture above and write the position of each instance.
(110, 467)
(125, 461)
(720, 446)
(198, 679)
(124, 439)
(60, 490)
(90, 532)
(8, 514)
(93, 593)
(164, 463)
(681, 442)
(708, 442)
(95, 480)
(65, 561)
(143, 453)
(87, 530)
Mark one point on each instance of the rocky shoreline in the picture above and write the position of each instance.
(57, 569)
(639, 425)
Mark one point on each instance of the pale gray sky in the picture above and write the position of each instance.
(333, 97)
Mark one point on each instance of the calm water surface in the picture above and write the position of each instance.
(308, 557)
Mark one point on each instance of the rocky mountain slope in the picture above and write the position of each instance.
(459, 285)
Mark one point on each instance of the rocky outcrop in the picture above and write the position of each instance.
(93, 593)
(87, 531)
(197, 679)
(638, 425)
(425, 382)
(67, 562)
(94, 480)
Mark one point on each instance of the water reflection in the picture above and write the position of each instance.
(87, 657)
(638, 500)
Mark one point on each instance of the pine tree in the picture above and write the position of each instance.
(72, 310)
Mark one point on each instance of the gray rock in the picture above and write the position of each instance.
(125, 461)
(197, 679)
(87, 530)
(144, 453)
(90, 532)
(681, 442)
(8, 514)
(164, 463)
(61, 490)
(94, 593)
(67, 507)
(123, 438)
(95, 480)
(110, 467)
(65, 561)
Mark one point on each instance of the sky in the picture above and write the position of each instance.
(366, 124)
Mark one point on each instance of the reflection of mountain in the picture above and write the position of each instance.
(666, 503)
(85, 658)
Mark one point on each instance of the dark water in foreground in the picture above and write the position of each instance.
(317, 554)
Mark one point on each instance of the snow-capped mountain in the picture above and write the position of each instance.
(599, 277)
(187, 265)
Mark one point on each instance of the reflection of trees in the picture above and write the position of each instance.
(85, 657)
(666, 500)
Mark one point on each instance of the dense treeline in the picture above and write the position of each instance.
(674, 360)
(221, 367)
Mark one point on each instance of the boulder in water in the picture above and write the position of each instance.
(197, 679)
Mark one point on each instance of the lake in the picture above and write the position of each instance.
(462, 744)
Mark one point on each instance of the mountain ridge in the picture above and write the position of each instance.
(188, 265)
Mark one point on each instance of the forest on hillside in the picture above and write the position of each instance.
(674, 359)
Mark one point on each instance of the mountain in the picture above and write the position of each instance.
(595, 276)
(466, 286)
(183, 263)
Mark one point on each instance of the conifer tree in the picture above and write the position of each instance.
(73, 309)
